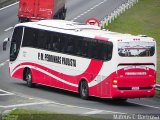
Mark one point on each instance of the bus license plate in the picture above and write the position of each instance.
(135, 88)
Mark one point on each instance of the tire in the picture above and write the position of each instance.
(21, 20)
(64, 13)
(28, 78)
(119, 99)
(84, 90)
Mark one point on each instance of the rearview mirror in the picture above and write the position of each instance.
(5, 43)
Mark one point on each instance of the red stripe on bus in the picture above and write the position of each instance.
(89, 74)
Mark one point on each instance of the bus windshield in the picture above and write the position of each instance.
(136, 49)
(15, 43)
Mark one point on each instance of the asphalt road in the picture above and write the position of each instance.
(15, 93)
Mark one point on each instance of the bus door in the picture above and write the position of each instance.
(101, 87)
(98, 87)
(105, 86)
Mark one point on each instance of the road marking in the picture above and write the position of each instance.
(67, 105)
(89, 10)
(8, 29)
(23, 105)
(93, 112)
(9, 6)
(6, 112)
(87, 108)
(46, 101)
(5, 93)
(146, 105)
(2, 64)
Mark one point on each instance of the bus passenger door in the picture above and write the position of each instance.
(95, 90)
(98, 86)
(105, 87)
(100, 89)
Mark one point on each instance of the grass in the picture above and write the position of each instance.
(24, 114)
(143, 18)
(158, 94)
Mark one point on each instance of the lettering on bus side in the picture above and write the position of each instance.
(57, 59)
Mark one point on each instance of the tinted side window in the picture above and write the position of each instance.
(69, 48)
(107, 50)
(42, 39)
(30, 37)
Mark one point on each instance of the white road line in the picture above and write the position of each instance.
(67, 105)
(89, 10)
(93, 112)
(9, 6)
(87, 108)
(5, 93)
(8, 29)
(23, 105)
(146, 105)
(2, 64)
(46, 101)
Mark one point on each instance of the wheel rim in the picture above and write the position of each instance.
(84, 89)
(28, 78)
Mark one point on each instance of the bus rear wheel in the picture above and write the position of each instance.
(28, 78)
(84, 90)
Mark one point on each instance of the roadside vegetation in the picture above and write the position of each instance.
(158, 94)
(24, 114)
(144, 19)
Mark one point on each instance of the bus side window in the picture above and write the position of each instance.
(53, 42)
(107, 52)
(70, 45)
(78, 45)
(94, 52)
(47, 43)
(42, 38)
(30, 38)
(84, 48)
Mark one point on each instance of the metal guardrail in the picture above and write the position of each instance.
(157, 86)
(117, 12)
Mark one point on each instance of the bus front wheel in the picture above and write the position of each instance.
(28, 78)
(84, 90)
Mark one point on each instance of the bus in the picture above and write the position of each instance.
(84, 59)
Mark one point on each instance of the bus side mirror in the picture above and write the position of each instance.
(5, 41)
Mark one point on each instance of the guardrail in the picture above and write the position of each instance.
(108, 19)
(157, 86)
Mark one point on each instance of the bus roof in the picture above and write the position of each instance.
(79, 29)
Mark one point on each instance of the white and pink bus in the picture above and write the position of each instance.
(83, 59)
